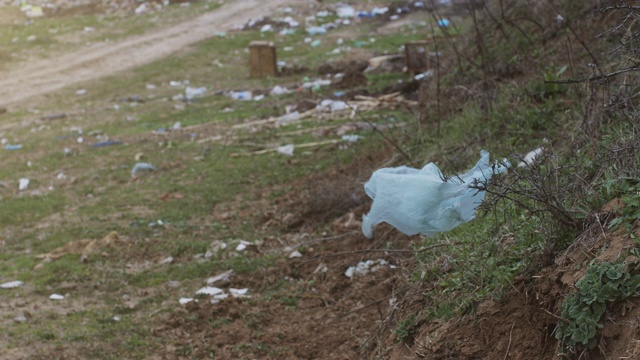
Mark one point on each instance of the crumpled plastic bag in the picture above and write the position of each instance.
(419, 201)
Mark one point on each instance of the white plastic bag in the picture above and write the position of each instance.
(419, 201)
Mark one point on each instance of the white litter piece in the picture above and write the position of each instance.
(140, 167)
(23, 184)
(287, 118)
(183, 300)
(364, 267)
(141, 9)
(266, 28)
(424, 75)
(177, 126)
(351, 138)
(379, 11)
(116, 318)
(279, 90)
(531, 157)
(150, 86)
(259, 97)
(242, 245)
(56, 297)
(167, 260)
(238, 292)
(88, 29)
(225, 276)
(193, 92)
(332, 105)
(286, 149)
(346, 11)
(316, 30)
(295, 254)
(11, 284)
(210, 290)
(292, 23)
(419, 201)
(81, 91)
(241, 95)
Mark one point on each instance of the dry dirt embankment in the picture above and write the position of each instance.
(103, 59)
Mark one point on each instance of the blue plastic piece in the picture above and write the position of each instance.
(419, 201)
(106, 143)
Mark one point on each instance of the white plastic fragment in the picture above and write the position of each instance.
(316, 30)
(286, 119)
(286, 149)
(420, 201)
(194, 92)
(279, 90)
(225, 276)
(332, 105)
(238, 292)
(81, 91)
(56, 297)
(364, 267)
(167, 260)
(241, 95)
(266, 28)
(210, 290)
(11, 284)
(531, 157)
(351, 138)
(346, 11)
(23, 184)
(116, 318)
(183, 300)
(140, 167)
(295, 254)
(242, 245)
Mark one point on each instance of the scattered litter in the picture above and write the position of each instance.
(365, 267)
(443, 23)
(419, 201)
(339, 93)
(351, 138)
(238, 292)
(279, 90)
(140, 9)
(531, 157)
(176, 126)
(316, 30)
(316, 43)
(140, 167)
(345, 12)
(167, 260)
(220, 34)
(13, 147)
(116, 318)
(88, 29)
(184, 301)
(11, 284)
(286, 149)
(223, 277)
(259, 97)
(23, 184)
(241, 95)
(242, 245)
(107, 143)
(426, 74)
(379, 11)
(332, 105)
(192, 92)
(210, 290)
(179, 83)
(287, 119)
(287, 48)
(150, 86)
(295, 254)
(81, 92)
(266, 28)
(20, 318)
(56, 297)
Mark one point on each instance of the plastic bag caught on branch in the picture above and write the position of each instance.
(422, 201)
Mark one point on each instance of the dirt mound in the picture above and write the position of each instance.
(523, 323)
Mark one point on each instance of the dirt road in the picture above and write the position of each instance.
(103, 59)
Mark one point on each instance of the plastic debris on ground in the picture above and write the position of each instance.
(424, 75)
(241, 95)
(279, 90)
(266, 28)
(295, 254)
(419, 201)
(192, 92)
(23, 184)
(242, 245)
(184, 301)
(345, 11)
(286, 149)
(107, 143)
(210, 290)
(316, 30)
(443, 23)
(287, 119)
(351, 138)
(531, 157)
(238, 292)
(142, 167)
(11, 284)
(332, 105)
(223, 277)
(56, 297)
(13, 147)
(365, 267)
(167, 260)
(316, 43)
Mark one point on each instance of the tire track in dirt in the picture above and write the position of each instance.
(103, 59)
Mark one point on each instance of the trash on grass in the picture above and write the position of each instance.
(56, 297)
(295, 254)
(210, 290)
(23, 184)
(107, 143)
(183, 300)
(345, 11)
(167, 260)
(241, 95)
(11, 284)
(223, 277)
(140, 167)
(242, 245)
(287, 119)
(365, 267)
(193, 92)
(316, 30)
(531, 157)
(332, 105)
(279, 90)
(238, 292)
(351, 138)
(13, 147)
(419, 201)
(286, 149)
